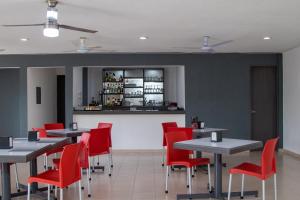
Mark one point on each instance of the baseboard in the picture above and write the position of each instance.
(290, 153)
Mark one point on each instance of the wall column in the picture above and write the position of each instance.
(68, 95)
(23, 102)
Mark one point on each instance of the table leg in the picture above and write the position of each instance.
(218, 176)
(6, 188)
(33, 172)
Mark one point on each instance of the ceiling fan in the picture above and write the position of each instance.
(83, 48)
(206, 47)
(51, 27)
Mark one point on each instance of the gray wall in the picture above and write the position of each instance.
(9, 102)
(217, 85)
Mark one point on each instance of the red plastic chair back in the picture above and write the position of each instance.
(42, 132)
(165, 127)
(176, 154)
(188, 131)
(268, 159)
(99, 141)
(54, 126)
(84, 152)
(69, 169)
(106, 125)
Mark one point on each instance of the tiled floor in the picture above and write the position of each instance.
(140, 176)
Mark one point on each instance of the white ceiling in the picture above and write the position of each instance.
(171, 25)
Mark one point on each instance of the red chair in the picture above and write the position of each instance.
(182, 157)
(83, 158)
(165, 127)
(99, 144)
(54, 126)
(43, 134)
(262, 172)
(107, 125)
(67, 173)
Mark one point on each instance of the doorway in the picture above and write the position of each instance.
(61, 99)
(263, 103)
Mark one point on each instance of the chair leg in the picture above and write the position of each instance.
(79, 189)
(28, 191)
(109, 164)
(17, 178)
(93, 164)
(275, 186)
(98, 162)
(187, 178)
(48, 196)
(263, 190)
(243, 182)
(81, 171)
(61, 194)
(46, 162)
(190, 180)
(229, 187)
(111, 160)
(55, 192)
(88, 182)
(167, 176)
(163, 156)
(89, 171)
(209, 178)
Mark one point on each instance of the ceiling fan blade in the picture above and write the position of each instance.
(73, 28)
(19, 25)
(221, 43)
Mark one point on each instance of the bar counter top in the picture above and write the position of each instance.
(121, 112)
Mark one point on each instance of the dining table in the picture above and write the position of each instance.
(68, 132)
(227, 146)
(24, 151)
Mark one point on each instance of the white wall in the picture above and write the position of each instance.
(38, 114)
(291, 100)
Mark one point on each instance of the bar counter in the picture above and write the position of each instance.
(132, 129)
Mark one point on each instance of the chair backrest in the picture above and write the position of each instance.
(165, 126)
(99, 141)
(84, 152)
(42, 132)
(176, 154)
(268, 158)
(188, 131)
(106, 125)
(69, 169)
(54, 126)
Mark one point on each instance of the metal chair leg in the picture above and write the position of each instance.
(275, 186)
(163, 157)
(88, 182)
(263, 190)
(17, 178)
(89, 171)
(61, 194)
(187, 178)
(48, 196)
(98, 162)
(243, 182)
(109, 164)
(167, 176)
(111, 159)
(55, 192)
(190, 180)
(79, 188)
(28, 191)
(209, 178)
(229, 187)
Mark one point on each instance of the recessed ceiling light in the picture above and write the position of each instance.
(24, 39)
(143, 38)
(267, 38)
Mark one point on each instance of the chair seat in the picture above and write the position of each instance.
(48, 177)
(192, 162)
(98, 154)
(248, 169)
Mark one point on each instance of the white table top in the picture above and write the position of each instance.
(227, 146)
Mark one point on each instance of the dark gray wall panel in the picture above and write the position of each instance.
(9, 102)
(217, 85)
